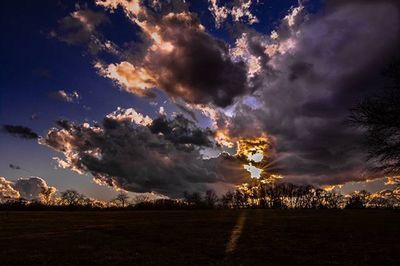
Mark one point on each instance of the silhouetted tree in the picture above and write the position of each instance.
(379, 116)
(227, 200)
(211, 198)
(332, 200)
(358, 200)
(71, 197)
(281, 196)
(46, 195)
(193, 199)
(255, 194)
(122, 199)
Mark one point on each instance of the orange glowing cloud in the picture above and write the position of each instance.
(132, 79)
(253, 149)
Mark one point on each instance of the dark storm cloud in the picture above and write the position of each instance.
(65, 124)
(20, 131)
(318, 70)
(305, 76)
(182, 131)
(299, 69)
(186, 110)
(163, 156)
(199, 63)
(179, 57)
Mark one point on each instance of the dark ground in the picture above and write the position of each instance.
(269, 237)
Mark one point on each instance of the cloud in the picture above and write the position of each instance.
(64, 96)
(30, 188)
(239, 10)
(187, 109)
(179, 57)
(163, 157)
(15, 167)
(6, 190)
(317, 68)
(294, 85)
(133, 79)
(182, 131)
(161, 111)
(393, 180)
(81, 28)
(129, 115)
(20, 132)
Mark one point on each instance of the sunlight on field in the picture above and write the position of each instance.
(235, 234)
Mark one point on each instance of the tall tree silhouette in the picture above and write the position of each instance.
(71, 197)
(122, 199)
(379, 116)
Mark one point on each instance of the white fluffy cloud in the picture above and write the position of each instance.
(29, 188)
(239, 10)
(7, 190)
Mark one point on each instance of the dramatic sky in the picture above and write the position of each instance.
(173, 96)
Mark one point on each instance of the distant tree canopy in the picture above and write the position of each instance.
(122, 199)
(254, 194)
(71, 197)
(47, 194)
(379, 116)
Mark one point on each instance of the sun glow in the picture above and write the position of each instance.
(253, 150)
(223, 139)
(254, 171)
(257, 156)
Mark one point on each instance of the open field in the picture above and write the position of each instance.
(219, 237)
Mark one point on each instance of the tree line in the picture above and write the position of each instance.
(250, 195)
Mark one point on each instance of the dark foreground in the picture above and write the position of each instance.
(220, 237)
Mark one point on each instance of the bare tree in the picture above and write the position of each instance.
(193, 199)
(281, 196)
(211, 198)
(71, 197)
(379, 117)
(227, 200)
(358, 200)
(122, 199)
(46, 195)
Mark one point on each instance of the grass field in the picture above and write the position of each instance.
(219, 237)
